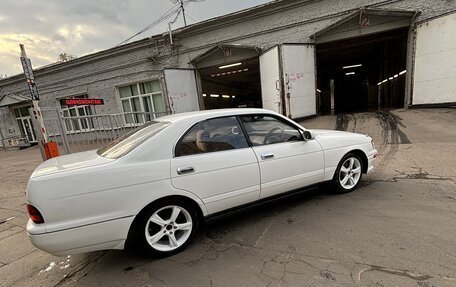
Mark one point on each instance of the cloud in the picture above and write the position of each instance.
(48, 28)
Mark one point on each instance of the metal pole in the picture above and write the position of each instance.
(379, 98)
(183, 12)
(2, 139)
(39, 136)
(27, 66)
(40, 120)
(63, 134)
(170, 34)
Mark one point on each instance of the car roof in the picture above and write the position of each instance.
(202, 115)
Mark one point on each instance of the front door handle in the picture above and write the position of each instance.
(268, 155)
(183, 170)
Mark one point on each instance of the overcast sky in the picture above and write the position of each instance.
(48, 28)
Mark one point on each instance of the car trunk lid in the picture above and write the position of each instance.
(70, 162)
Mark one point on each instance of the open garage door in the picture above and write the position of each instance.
(181, 89)
(363, 73)
(290, 67)
(435, 66)
(230, 77)
(281, 79)
(270, 80)
(362, 60)
(299, 79)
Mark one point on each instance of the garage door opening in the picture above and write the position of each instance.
(233, 85)
(363, 73)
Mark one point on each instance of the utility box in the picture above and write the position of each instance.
(51, 150)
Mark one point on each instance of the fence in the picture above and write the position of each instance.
(81, 133)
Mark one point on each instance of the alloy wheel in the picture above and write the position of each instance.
(350, 173)
(168, 228)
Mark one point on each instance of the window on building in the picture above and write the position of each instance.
(74, 116)
(140, 101)
(22, 112)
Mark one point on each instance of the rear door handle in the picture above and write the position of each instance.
(267, 156)
(183, 170)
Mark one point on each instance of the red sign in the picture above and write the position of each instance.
(82, 102)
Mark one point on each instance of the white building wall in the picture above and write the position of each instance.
(435, 61)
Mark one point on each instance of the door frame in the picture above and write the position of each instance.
(28, 118)
(32, 131)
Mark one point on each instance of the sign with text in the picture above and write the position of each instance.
(82, 102)
(27, 67)
(365, 22)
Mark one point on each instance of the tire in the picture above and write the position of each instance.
(165, 228)
(348, 173)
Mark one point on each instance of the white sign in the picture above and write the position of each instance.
(28, 72)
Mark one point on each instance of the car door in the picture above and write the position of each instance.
(286, 160)
(214, 161)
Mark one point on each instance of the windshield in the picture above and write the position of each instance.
(131, 140)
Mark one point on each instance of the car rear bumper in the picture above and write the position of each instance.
(100, 236)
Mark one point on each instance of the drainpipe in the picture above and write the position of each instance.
(170, 34)
(1, 139)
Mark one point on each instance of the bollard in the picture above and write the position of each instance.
(51, 150)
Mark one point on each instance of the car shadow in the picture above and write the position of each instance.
(276, 206)
(215, 231)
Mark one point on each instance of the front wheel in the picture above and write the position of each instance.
(348, 173)
(167, 227)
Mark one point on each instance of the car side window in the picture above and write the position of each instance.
(263, 130)
(212, 135)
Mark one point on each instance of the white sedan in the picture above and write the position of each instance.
(154, 187)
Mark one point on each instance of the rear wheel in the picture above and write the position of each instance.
(167, 227)
(348, 173)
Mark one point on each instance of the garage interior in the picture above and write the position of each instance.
(235, 85)
(229, 76)
(363, 73)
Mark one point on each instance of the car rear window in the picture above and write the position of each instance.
(131, 140)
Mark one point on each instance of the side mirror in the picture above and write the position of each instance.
(308, 135)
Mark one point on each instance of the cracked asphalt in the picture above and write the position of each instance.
(397, 229)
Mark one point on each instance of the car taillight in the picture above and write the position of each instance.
(35, 215)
